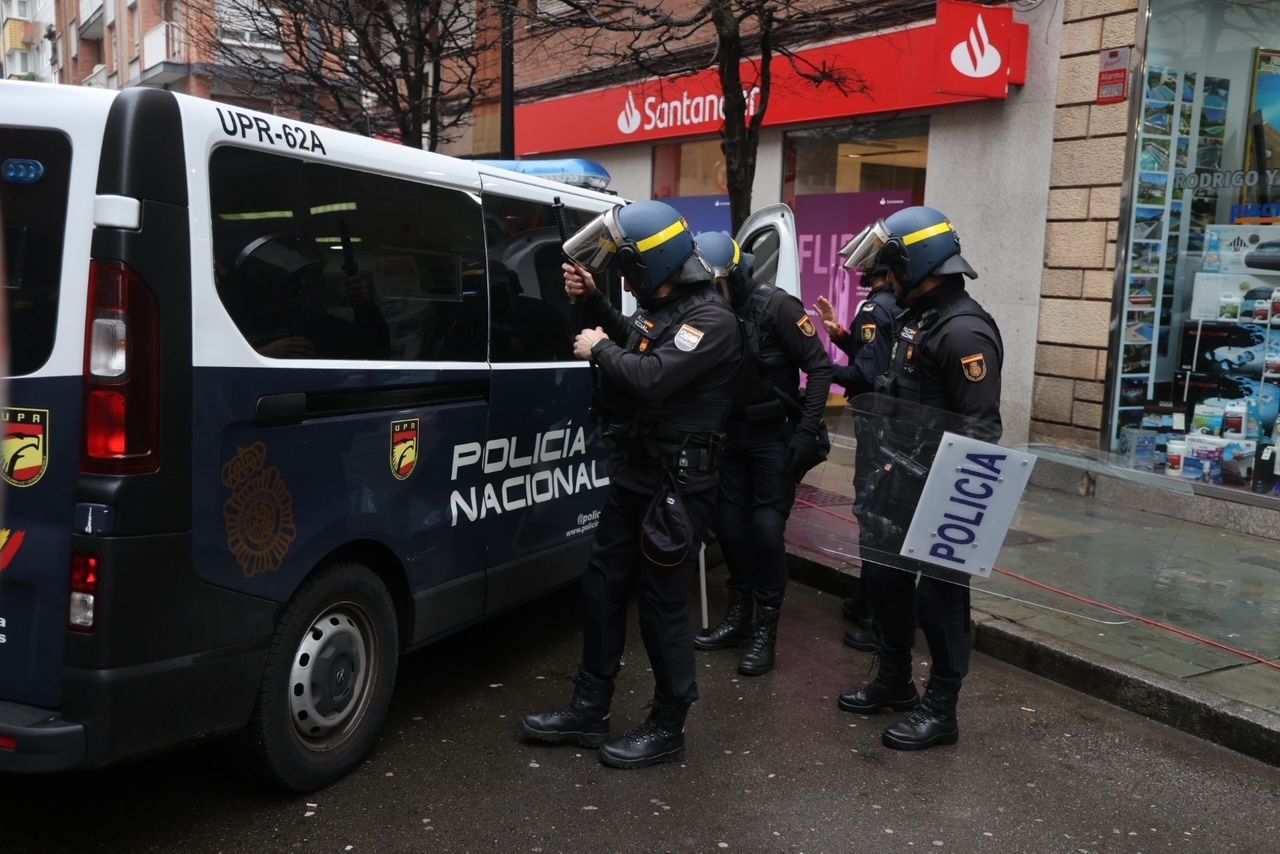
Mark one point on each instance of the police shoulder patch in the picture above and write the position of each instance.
(868, 306)
(806, 327)
(975, 367)
(688, 338)
(868, 332)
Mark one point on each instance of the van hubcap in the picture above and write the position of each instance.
(329, 675)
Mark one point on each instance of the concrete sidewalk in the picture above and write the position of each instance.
(1174, 620)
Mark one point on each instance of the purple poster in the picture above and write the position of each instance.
(824, 224)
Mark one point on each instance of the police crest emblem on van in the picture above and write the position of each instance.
(404, 447)
(24, 456)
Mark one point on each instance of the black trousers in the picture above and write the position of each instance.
(617, 567)
(756, 494)
(940, 607)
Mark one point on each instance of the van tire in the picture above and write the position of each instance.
(339, 628)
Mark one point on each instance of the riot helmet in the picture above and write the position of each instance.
(913, 244)
(730, 265)
(649, 243)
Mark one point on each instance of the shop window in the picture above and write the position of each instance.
(314, 261)
(838, 180)
(689, 169)
(1196, 388)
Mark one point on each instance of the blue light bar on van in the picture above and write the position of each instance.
(21, 171)
(573, 171)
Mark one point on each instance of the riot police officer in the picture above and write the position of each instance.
(867, 346)
(947, 354)
(772, 439)
(667, 379)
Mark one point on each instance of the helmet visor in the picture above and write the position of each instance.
(861, 252)
(596, 243)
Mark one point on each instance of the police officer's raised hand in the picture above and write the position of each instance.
(827, 312)
(578, 282)
(586, 340)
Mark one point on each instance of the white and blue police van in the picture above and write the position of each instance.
(283, 404)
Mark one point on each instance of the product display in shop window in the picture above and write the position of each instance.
(1196, 394)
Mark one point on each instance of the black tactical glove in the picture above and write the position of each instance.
(806, 450)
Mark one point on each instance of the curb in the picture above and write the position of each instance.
(1243, 728)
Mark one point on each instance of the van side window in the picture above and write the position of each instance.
(315, 261)
(532, 318)
(34, 220)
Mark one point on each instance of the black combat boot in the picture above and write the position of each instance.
(659, 739)
(734, 629)
(855, 609)
(863, 637)
(892, 689)
(585, 721)
(865, 633)
(933, 722)
(758, 659)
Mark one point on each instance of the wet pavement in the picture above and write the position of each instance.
(1193, 605)
(772, 765)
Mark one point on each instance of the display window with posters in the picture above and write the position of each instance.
(840, 179)
(691, 177)
(1198, 370)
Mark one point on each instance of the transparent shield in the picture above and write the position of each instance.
(1091, 538)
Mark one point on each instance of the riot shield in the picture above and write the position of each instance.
(1037, 532)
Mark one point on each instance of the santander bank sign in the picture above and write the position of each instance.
(970, 52)
(681, 110)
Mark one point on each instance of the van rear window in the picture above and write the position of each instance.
(35, 171)
(316, 261)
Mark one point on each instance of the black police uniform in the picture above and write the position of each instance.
(667, 377)
(947, 354)
(759, 470)
(867, 343)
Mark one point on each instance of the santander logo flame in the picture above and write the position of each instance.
(976, 57)
(629, 118)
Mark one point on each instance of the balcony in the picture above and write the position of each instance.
(164, 57)
(91, 19)
(98, 79)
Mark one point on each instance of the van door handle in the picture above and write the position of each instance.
(275, 410)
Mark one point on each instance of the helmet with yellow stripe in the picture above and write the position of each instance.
(723, 254)
(649, 243)
(913, 244)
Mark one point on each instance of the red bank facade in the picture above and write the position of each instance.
(932, 113)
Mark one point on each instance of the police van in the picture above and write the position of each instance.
(284, 403)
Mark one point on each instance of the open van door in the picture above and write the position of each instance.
(770, 235)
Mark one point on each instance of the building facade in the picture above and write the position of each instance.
(913, 129)
(26, 39)
(119, 43)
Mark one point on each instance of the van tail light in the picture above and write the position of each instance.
(84, 590)
(121, 373)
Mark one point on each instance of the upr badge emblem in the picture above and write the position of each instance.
(868, 333)
(404, 447)
(806, 327)
(25, 452)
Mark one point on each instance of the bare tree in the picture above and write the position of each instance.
(406, 69)
(663, 38)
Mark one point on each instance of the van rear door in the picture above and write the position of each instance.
(46, 261)
(770, 235)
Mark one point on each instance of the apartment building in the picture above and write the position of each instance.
(26, 39)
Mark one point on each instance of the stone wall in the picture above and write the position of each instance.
(1078, 285)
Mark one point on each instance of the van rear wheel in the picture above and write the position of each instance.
(328, 678)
